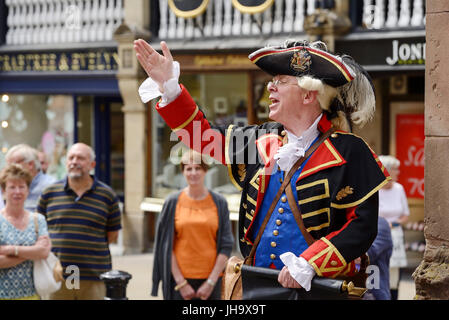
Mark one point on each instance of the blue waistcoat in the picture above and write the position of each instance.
(282, 233)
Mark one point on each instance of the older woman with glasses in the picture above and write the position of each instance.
(19, 243)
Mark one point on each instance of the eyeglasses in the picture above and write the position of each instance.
(279, 82)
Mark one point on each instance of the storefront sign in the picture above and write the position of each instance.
(188, 8)
(98, 60)
(215, 62)
(410, 151)
(407, 53)
(386, 54)
(252, 6)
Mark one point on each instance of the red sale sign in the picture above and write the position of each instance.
(410, 151)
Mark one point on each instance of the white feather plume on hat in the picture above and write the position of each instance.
(357, 101)
(357, 96)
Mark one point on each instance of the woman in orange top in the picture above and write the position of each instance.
(194, 238)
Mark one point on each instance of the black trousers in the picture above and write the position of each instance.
(195, 284)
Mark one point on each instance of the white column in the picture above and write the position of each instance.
(93, 32)
(267, 20)
(392, 15)
(368, 13)
(21, 23)
(237, 23)
(379, 14)
(171, 25)
(67, 22)
(404, 14)
(163, 24)
(246, 24)
(298, 24)
(256, 24)
(310, 7)
(38, 36)
(85, 19)
(101, 21)
(227, 21)
(189, 29)
(110, 24)
(277, 23)
(11, 21)
(198, 26)
(119, 13)
(180, 27)
(208, 25)
(218, 18)
(50, 21)
(288, 17)
(29, 9)
(418, 13)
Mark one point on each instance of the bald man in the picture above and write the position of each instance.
(83, 217)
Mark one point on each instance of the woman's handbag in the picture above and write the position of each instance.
(47, 273)
(243, 281)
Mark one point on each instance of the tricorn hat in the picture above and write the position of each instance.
(299, 59)
(354, 98)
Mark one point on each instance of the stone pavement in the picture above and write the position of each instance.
(140, 267)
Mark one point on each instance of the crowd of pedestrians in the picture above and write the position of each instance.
(78, 217)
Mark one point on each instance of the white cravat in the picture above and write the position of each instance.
(288, 154)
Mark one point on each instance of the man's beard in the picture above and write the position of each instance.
(76, 174)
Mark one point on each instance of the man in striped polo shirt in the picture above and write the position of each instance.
(83, 217)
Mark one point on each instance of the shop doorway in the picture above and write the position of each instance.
(99, 123)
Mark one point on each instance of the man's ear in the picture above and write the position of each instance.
(309, 97)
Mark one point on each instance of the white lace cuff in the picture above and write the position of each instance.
(299, 269)
(149, 89)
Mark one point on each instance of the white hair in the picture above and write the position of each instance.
(389, 162)
(27, 153)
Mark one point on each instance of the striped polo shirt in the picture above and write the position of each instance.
(78, 226)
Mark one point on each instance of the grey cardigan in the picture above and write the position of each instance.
(164, 240)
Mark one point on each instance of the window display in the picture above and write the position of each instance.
(223, 99)
(44, 122)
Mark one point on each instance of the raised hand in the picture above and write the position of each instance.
(158, 67)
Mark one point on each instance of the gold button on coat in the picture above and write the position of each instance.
(334, 135)
(334, 263)
(273, 244)
(275, 232)
(283, 132)
(272, 256)
(278, 222)
(284, 199)
(281, 210)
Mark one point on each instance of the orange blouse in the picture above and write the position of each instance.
(195, 240)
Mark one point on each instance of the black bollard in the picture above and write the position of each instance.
(115, 282)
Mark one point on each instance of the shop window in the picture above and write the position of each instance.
(44, 122)
(223, 98)
(261, 96)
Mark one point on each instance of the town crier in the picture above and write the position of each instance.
(316, 98)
